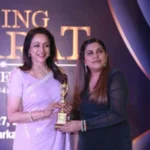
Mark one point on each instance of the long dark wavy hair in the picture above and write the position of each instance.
(99, 94)
(27, 60)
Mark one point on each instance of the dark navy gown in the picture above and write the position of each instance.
(107, 125)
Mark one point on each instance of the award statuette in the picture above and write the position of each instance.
(62, 116)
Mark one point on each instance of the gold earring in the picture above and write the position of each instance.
(105, 64)
(85, 68)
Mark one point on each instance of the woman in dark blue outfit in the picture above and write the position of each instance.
(100, 97)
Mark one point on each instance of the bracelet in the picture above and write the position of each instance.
(83, 125)
(30, 116)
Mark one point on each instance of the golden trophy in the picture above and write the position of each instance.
(62, 116)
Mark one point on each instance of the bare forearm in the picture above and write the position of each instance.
(22, 117)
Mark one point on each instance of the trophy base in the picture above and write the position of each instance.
(58, 125)
(61, 119)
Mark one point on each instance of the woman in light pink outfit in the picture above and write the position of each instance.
(34, 95)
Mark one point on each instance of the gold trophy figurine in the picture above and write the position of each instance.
(62, 116)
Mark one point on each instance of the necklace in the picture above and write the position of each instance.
(91, 88)
(39, 71)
